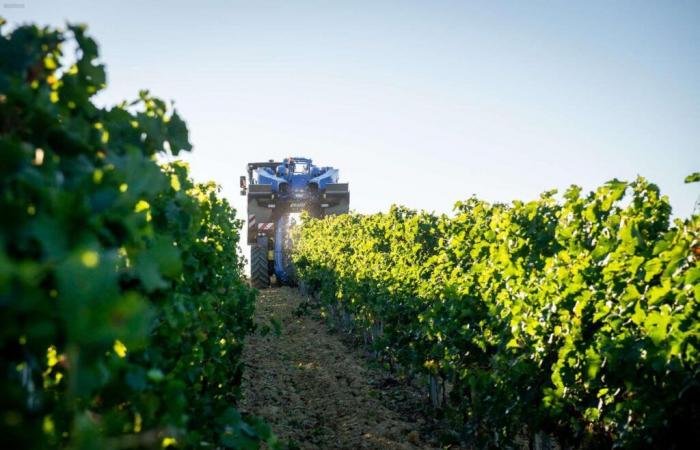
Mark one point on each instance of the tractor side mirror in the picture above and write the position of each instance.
(244, 185)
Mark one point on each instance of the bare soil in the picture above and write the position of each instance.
(317, 389)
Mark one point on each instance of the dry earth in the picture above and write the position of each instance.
(317, 390)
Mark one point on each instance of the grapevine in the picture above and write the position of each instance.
(575, 317)
(122, 305)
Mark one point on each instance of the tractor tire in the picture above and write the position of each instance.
(259, 276)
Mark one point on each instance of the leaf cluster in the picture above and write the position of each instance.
(576, 317)
(122, 305)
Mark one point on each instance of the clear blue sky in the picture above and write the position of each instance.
(417, 103)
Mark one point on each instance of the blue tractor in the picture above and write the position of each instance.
(276, 190)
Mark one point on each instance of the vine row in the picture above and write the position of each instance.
(122, 304)
(573, 317)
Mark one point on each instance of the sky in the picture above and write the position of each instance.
(416, 103)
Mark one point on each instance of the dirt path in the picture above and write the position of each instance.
(317, 391)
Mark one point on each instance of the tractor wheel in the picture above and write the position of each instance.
(259, 277)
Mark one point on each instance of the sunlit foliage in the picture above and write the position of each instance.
(578, 317)
(122, 308)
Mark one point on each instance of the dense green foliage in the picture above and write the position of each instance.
(122, 309)
(577, 317)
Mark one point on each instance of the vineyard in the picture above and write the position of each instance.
(124, 310)
(574, 319)
(123, 307)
